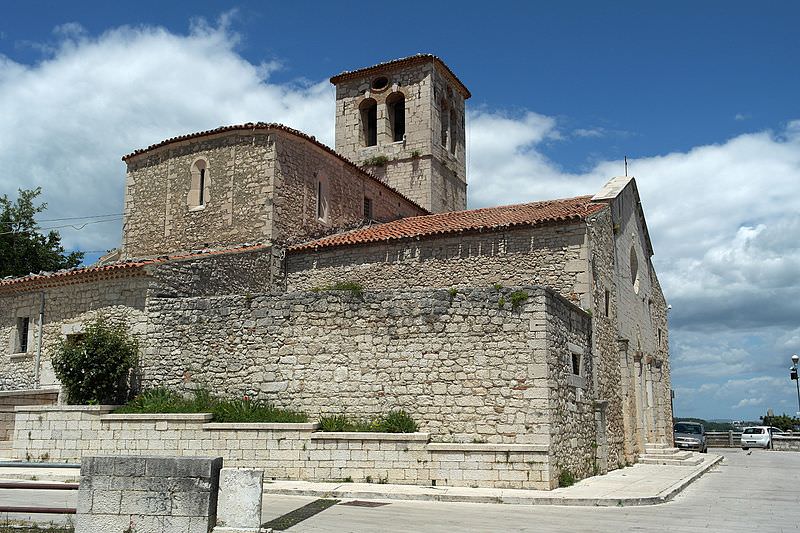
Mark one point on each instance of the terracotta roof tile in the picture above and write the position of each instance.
(253, 126)
(402, 62)
(531, 214)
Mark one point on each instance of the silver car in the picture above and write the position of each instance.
(690, 436)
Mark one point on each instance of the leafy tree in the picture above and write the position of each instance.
(784, 421)
(96, 368)
(23, 249)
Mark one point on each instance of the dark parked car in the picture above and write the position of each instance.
(690, 436)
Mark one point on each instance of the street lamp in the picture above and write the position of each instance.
(793, 375)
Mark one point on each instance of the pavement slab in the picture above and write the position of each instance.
(636, 485)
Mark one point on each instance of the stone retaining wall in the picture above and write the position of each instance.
(283, 451)
(10, 399)
(468, 365)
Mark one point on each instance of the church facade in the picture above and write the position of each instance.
(537, 324)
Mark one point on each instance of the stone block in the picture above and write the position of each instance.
(106, 501)
(239, 503)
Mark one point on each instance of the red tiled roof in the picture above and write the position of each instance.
(116, 270)
(252, 127)
(402, 62)
(536, 213)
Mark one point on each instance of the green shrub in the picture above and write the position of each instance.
(399, 422)
(517, 298)
(247, 410)
(355, 288)
(335, 423)
(96, 369)
(566, 479)
(394, 422)
(161, 400)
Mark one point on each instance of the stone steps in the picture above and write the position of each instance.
(663, 454)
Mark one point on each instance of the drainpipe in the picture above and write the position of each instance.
(39, 342)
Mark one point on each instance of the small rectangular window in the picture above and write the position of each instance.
(74, 339)
(322, 201)
(23, 327)
(201, 199)
(608, 302)
(367, 208)
(576, 364)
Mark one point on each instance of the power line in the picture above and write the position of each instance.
(73, 218)
(76, 227)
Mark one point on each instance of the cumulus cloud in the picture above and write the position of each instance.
(724, 218)
(68, 119)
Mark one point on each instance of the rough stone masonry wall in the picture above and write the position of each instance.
(67, 307)
(462, 365)
(420, 167)
(283, 451)
(610, 387)
(571, 397)
(642, 323)
(300, 166)
(553, 256)
(238, 272)
(158, 216)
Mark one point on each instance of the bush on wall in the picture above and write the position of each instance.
(96, 368)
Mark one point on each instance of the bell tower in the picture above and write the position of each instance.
(404, 122)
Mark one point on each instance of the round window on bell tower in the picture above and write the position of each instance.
(380, 83)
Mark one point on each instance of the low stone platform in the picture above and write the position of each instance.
(640, 484)
(662, 454)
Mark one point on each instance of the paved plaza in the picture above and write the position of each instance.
(762, 488)
(746, 488)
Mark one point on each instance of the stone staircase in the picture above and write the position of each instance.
(662, 454)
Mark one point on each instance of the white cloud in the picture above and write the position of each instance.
(741, 116)
(723, 217)
(68, 119)
(589, 132)
(749, 402)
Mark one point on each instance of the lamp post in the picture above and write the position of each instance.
(793, 375)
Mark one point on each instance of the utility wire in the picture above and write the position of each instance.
(73, 218)
(76, 227)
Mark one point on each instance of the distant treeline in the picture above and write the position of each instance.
(783, 422)
(718, 426)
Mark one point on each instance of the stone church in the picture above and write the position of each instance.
(256, 260)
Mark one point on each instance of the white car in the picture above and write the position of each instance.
(758, 436)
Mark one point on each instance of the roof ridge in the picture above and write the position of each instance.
(416, 58)
(531, 213)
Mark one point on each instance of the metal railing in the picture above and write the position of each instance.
(28, 485)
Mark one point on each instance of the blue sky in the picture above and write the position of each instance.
(701, 96)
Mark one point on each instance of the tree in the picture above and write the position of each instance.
(784, 421)
(95, 368)
(23, 250)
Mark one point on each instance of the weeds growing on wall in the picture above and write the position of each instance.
(517, 298)
(377, 161)
(394, 422)
(162, 400)
(566, 478)
(353, 287)
(97, 368)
